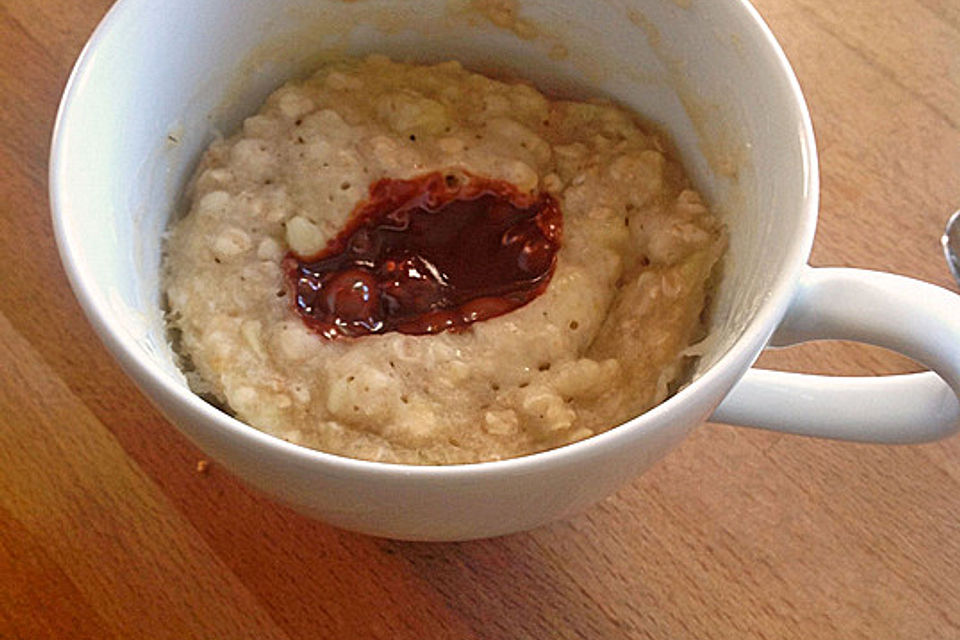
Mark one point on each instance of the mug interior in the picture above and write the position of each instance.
(159, 81)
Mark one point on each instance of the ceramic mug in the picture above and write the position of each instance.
(158, 80)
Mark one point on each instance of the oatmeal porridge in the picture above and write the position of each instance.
(361, 357)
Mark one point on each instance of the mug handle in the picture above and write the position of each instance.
(917, 319)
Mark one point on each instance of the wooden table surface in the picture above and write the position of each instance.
(109, 530)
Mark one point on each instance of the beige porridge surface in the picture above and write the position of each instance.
(600, 345)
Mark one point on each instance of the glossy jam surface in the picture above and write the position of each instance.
(435, 253)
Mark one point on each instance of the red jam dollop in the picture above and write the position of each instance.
(435, 253)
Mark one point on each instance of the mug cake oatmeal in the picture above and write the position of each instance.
(420, 264)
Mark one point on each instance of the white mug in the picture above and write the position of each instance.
(157, 80)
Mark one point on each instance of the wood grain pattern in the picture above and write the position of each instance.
(107, 530)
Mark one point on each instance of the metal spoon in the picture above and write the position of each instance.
(951, 245)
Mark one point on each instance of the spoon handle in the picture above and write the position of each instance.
(951, 245)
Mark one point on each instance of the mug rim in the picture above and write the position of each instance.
(150, 381)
